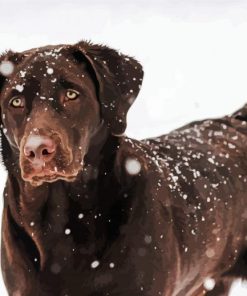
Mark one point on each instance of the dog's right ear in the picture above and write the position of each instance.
(3, 64)
(8, 61)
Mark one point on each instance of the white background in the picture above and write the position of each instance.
(194, 53)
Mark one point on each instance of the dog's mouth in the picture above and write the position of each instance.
(46, 175)
(58, 169)
(49, 159)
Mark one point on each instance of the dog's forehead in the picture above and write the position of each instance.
(48, 54)
(45, 66)
(46, 62)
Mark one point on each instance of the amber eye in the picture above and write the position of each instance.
(17, 102)
(72, 94)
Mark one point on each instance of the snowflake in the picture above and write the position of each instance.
(80, 216)
(132, 166)
(112, 265)
(50, 71)
(209, 284)
(6, 68)
(67, 231)
(95, 264)
(148, 239)
(19, 87)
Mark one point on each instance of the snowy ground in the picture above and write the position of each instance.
(193, 52)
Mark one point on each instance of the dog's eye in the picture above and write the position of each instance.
(17, 102)
(72, 94)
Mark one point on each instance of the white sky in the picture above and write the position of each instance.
(194, 53)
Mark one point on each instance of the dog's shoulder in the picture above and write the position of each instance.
(135, 159)
(153, 154)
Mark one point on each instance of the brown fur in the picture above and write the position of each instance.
(159, 231)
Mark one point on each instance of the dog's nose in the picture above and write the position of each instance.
(39, 149)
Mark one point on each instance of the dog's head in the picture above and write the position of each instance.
(55, 98)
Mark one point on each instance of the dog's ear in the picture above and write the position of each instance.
(3, 64)
(8, 62)
(119, 78)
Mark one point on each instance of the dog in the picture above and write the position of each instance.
(89, 211)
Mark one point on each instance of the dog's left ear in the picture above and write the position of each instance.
(119, 79)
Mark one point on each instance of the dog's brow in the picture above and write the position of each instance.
(14, 92)
(67, 84)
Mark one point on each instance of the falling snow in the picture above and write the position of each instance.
(148, 239)
(95, 264)
(210, 253)
(67, 231)
(50, 71)
(209, 284)
(133, 166)
(55, 268)
(6, 68)
(181, 153)
(23, 74)
(19, 87)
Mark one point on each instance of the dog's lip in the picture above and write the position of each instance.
(49, 176)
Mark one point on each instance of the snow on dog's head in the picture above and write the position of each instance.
(57, 99)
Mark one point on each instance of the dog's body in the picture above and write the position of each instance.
(151, 217)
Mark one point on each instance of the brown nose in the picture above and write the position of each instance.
(39, 149)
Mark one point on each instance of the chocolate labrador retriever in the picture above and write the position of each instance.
(89, 211)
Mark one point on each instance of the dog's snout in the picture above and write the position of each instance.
(39, 149)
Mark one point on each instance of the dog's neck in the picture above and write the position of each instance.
(52, 209)
(99, 157)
